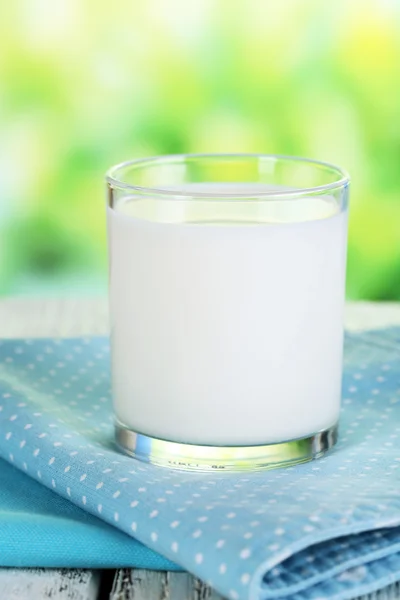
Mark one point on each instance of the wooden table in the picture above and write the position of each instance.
(74, 317)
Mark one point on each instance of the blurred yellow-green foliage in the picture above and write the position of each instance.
(88, 83)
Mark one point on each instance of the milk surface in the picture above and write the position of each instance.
(227, 329)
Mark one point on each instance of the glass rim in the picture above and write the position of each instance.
(343, 178)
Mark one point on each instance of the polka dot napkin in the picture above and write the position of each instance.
(326, 529)
(39, 528)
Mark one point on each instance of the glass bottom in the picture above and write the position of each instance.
(191, 457)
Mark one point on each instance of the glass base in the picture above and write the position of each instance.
(191, 457)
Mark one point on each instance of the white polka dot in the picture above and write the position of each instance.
(8, 435)
(174, 547)
(231, 515)
(279, 531)
(69, 492)
(254, 523)
(248, 535)
(222, 568)
(233, 595)
(22, 444)
(84, 499)
(82, 477)
(134, 503)
(153, 514)
(202, 519)
(199, 558)
(220, 543)
(175, 524)
(68, 468)
(51, 461)
(116, 494)
(245, 578)
(314, 518)
(245, 553)
(196, 534)
(116, 517)
(99, 508)
(154, 536)
(99, 485)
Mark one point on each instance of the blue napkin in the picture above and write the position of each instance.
(38, 528)
(330, 528)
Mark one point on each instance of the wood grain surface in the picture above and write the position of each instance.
(57, 584)
(136, 584)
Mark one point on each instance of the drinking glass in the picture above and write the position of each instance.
(227, 276)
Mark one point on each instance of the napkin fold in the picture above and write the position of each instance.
(39, 528)
(325, 529)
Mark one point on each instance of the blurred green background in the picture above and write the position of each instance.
(86, 84)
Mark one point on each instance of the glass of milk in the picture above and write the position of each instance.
(227, 277)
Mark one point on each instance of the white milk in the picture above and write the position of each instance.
(227, 332)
